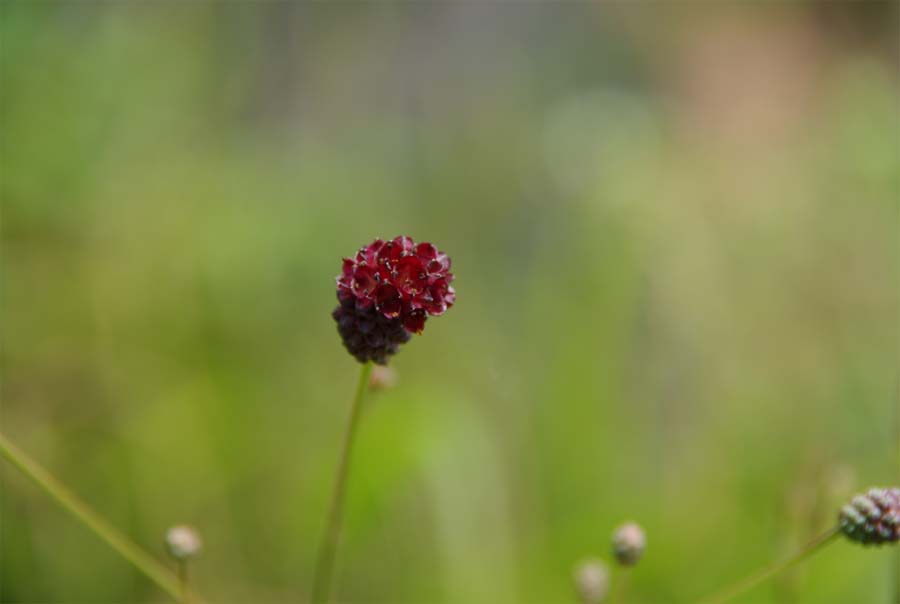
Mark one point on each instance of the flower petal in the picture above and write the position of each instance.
(387, 301)
(414, 321)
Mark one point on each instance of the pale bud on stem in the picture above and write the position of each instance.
(183, 543)
(629, 542)
(591, 581)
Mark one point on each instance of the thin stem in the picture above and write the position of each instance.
(895, 561)
(764, 573)
(183, 581)
(126, 548)
(895, 578)
(324, 573)
(619, 586)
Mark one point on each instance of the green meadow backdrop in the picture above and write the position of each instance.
(675, 233)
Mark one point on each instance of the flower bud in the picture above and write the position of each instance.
(629, 543)
(873, 518)
(183, 542)
(592, 581)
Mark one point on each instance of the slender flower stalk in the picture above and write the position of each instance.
(619, 592)
(324, 572)
(895, 578)
(126, 548)
(762, 574)
(385, 292)
(183, 581)
(895, 561)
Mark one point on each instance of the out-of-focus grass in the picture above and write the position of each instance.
(677, 291)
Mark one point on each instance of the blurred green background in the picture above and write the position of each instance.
(675, 234)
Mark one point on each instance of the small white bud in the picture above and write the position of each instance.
(629, 543)
(183, 542)
(592, 581)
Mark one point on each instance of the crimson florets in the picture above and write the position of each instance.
(399, 282)
(366, 334)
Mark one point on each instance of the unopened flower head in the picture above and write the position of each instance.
(629, 543)
(872, 518)
(183, 542)
(592, 581)
(387, 291)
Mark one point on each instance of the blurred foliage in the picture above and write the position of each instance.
(674, 230)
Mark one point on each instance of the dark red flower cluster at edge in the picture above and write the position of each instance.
(387, 291)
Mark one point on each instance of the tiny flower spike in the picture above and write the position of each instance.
(386, 292)
(872, 518)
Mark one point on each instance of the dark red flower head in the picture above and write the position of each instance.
(397, 282)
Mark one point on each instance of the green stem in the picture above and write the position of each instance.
(183, 581)
(895, 578)
(895, 562)
(324, 573)
(142, 561)
(619, 586)
(764, 573)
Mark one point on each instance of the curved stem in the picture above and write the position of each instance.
(766, 572)
(126, 548)
(324, 573)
